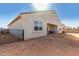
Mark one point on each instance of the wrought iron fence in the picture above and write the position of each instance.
(11, 35)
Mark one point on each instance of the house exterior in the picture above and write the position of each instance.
(37, 24)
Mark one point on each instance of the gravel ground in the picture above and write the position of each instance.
(51, 45)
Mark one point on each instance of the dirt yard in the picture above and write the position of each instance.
(51, 45)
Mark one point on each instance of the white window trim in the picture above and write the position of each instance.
(38, 25)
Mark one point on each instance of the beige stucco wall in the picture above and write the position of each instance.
(28, 25)
(17, 25)
(26, 22)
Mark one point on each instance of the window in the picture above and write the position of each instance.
(37, 25)
(40, 25)
(59, 28)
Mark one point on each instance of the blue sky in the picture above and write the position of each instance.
(68, 13)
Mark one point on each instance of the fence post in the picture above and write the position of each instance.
(23, 35)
